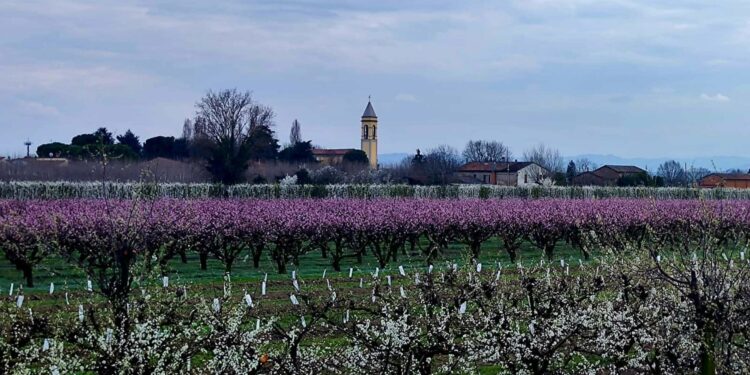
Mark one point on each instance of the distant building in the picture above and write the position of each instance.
(730, 180)
(40, 161)
(328, 156)
(368, 142)
(502, 173)
(370, 135)
(607, 175)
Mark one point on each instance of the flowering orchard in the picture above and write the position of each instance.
(101, 235)
(666, 290)
(613, 315)
(284, 190)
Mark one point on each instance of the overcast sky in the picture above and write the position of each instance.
(631, 78)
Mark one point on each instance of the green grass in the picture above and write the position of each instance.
(311, 265)
(209, 283)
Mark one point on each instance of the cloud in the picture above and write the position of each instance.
(715, 98)
(46, 77)
(142, 65)
(36, 109)
(402, 97)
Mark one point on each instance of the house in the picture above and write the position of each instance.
(730, 180)
(607, 175)
(503, 173)
(328, 156)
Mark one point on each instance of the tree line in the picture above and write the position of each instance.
(229, 131)
(438, 164)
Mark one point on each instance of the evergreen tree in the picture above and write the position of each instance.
(356, 156)
(300, 152)
(159, 147)
(131, 140)
(83, 140)
(263, 144)
(571, 172)
(55, 149)
(103, 136)
(418, 158)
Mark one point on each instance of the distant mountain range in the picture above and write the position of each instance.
(712, 163)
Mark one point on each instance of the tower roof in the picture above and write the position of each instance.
(369, 112)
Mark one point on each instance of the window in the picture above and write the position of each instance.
(365, 130)
(525, 178)
(373, 132)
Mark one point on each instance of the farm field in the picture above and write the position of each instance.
(312, 265)
(462, 286)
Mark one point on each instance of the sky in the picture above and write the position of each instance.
(630, 78)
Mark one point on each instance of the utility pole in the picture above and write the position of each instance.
(28, 146)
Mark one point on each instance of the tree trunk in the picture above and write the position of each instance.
(120, 294)
(708, 362)
(204, 261)
(281, 265)
(338, 254)
(512, 253)
(256, 259)
(28, 275)
(476, 248)
(425, 368)
(548, 250)
(586, 254)
(183, 256)
(228, 265)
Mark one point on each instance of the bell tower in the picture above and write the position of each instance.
(370, 135)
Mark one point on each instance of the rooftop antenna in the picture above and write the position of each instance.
(28, 145)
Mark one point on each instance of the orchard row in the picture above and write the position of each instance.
(640, 314)
(105, 235)
(130, 190)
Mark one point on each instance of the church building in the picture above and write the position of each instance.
(370, 135)
(369, 142)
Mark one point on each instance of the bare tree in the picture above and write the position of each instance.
(585, 165)
(485, 151)
(550, 161)
(440, 163)
(295, 135)
(226, 120)
(547, 157)
(693, 174)
(672, 173)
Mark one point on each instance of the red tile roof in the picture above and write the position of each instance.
(730, 176)
(331, 151)
(624, 168)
